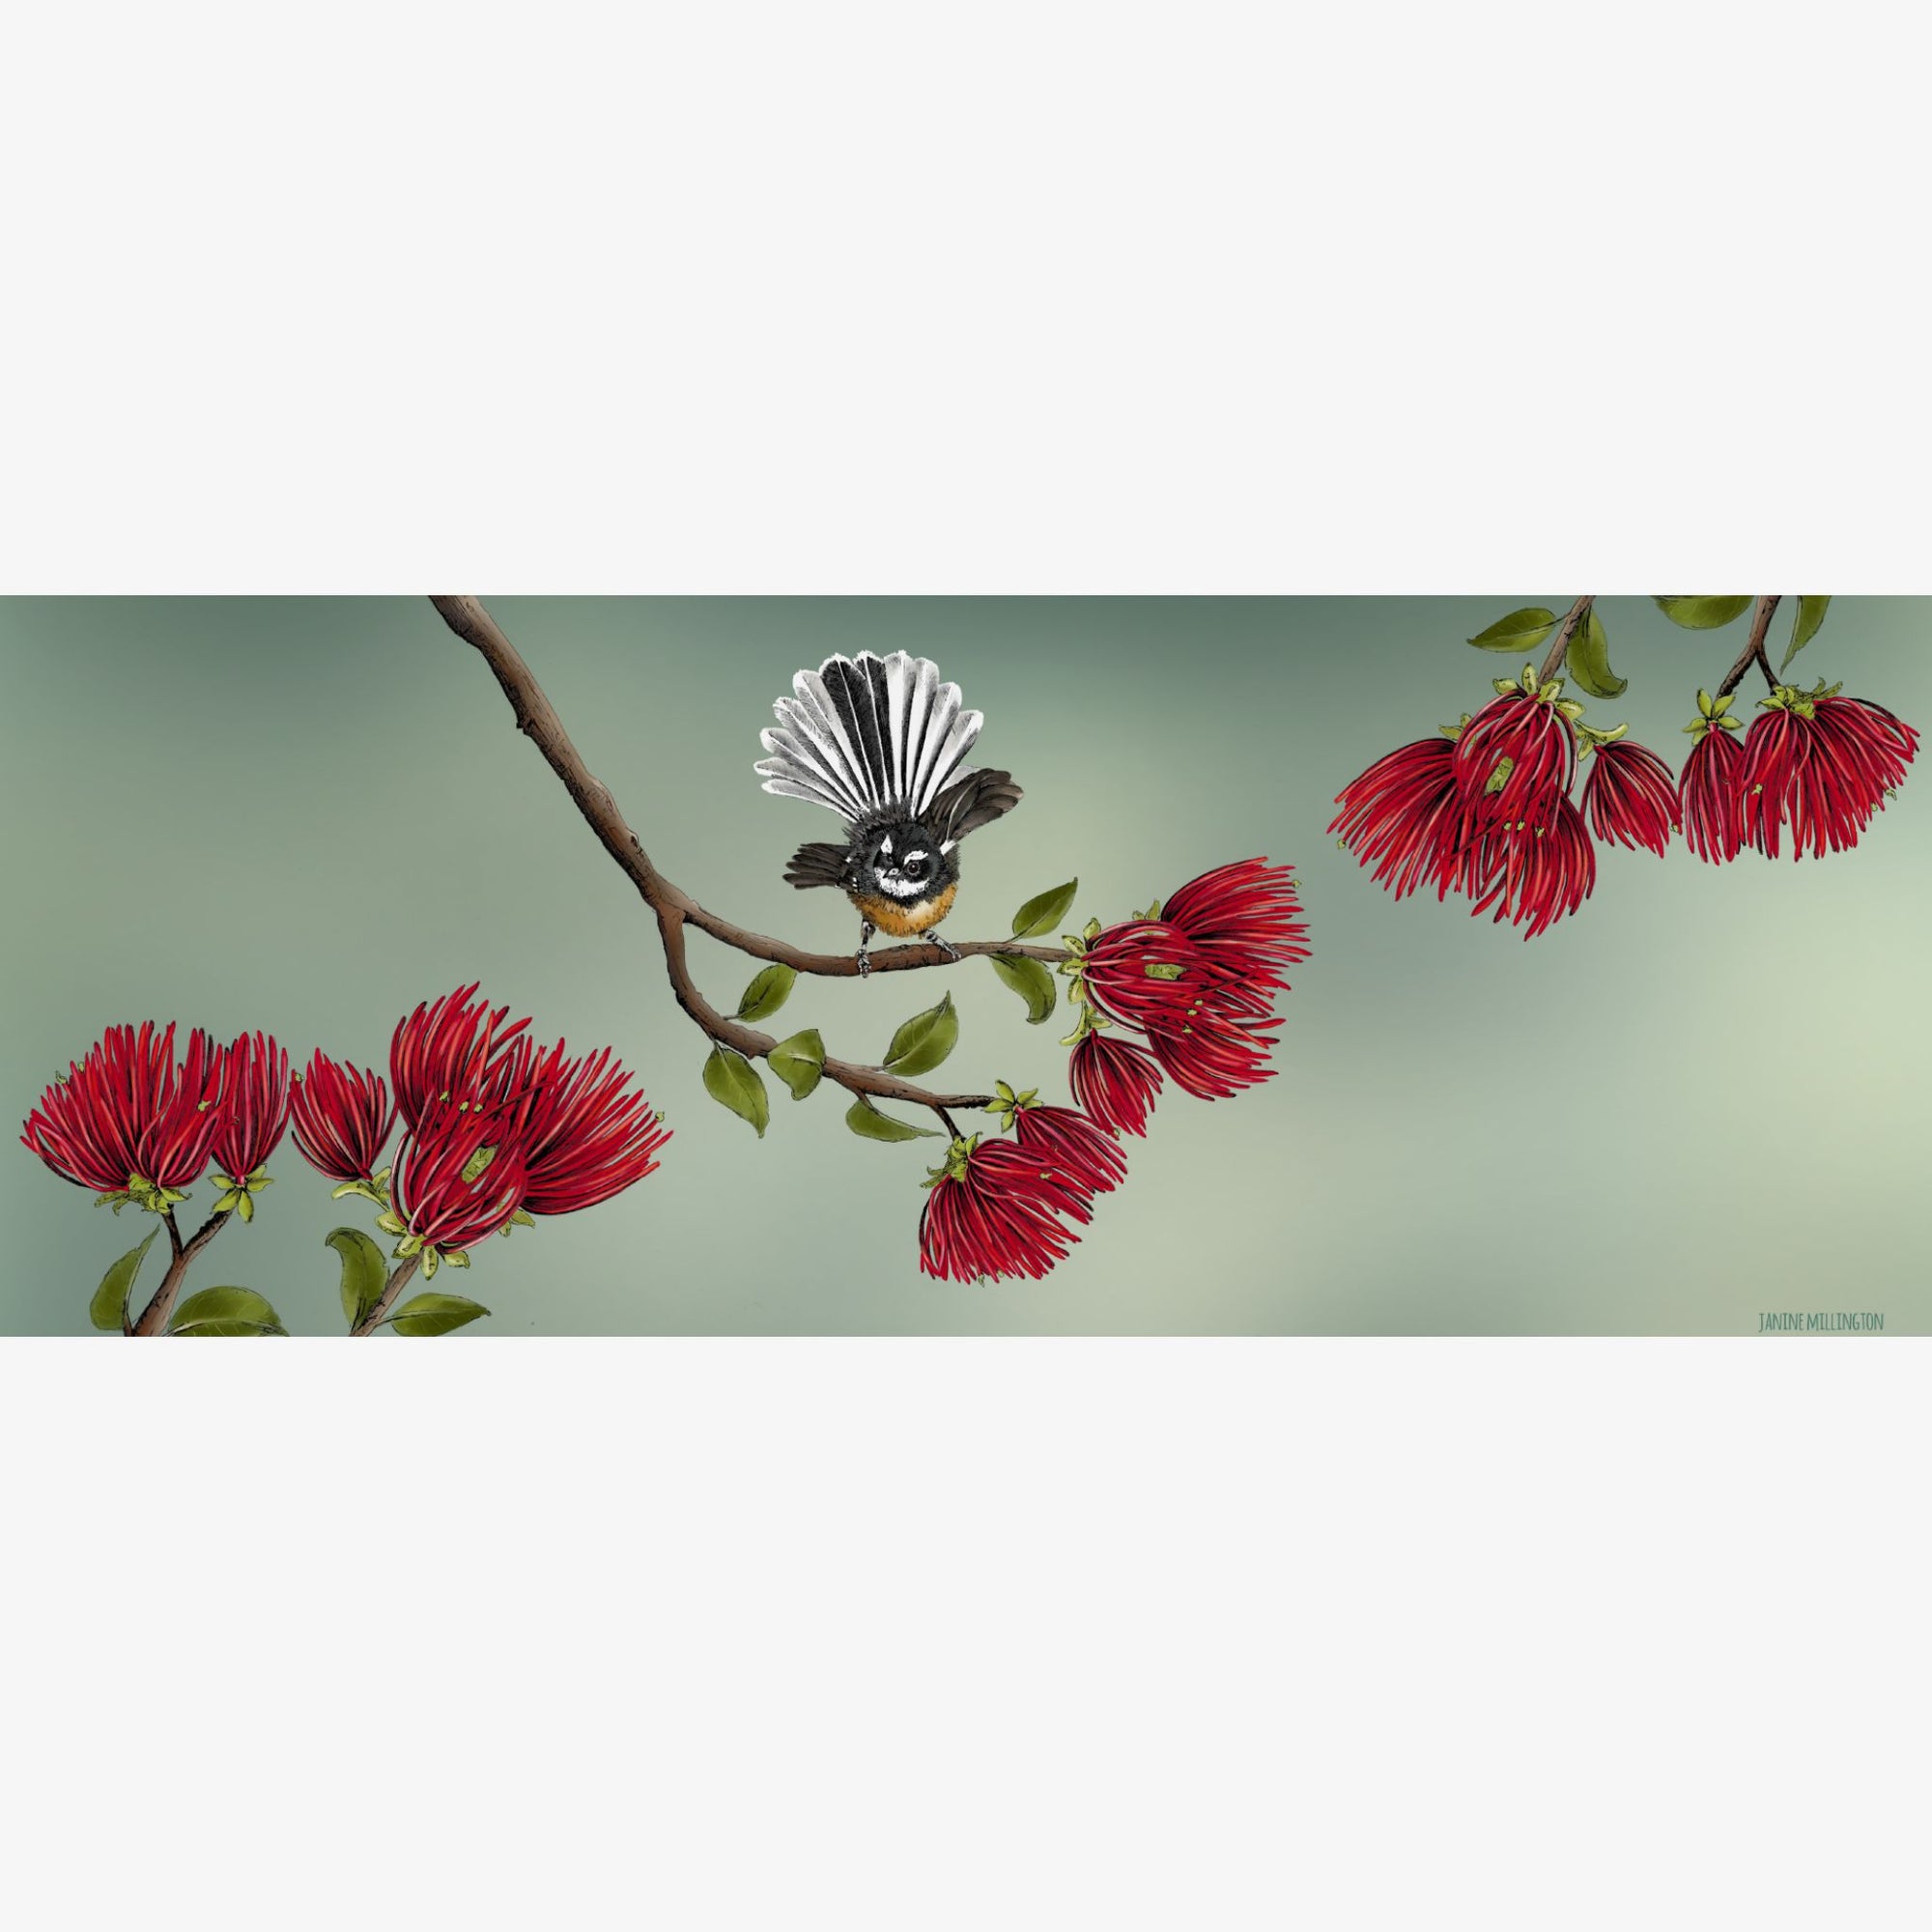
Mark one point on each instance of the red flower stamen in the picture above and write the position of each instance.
(1114, 1081)
(1631, 797)
(131, 1109)
(587, 1139)
(341, 1116)
(456, 1047)
(1066, 1141)
(992, 1212)
(459, 1174)
(256, 1113)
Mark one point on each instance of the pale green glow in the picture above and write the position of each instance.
(1704, 1098)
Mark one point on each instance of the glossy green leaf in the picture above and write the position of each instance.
(108, 1309)
(925, 1040)
(1030, 979)
(1044, 912)
(226, 1311)
(767, 993)
(1804, 626)
(1588, 660)
(1521, 630)
(868, 1124)
(798, 1062)
(364, 1272)
(1703, 614)
(435, 1314)
(732, 1081)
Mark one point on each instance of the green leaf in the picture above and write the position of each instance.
(1589, 660)
(108, 1309)
(364, 1272)
(226, 1311)
(1044, 912)
(435, 1314)
(1030, 979)
(798, 1062)
(1804, 626)
(1702, 613)
(925, 1040)
(767, 993)
(1521, 630)
(868, 1124)
(732, 1081)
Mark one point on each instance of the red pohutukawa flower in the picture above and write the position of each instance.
(587, 1138)
(341, 1116)
(130, 1121)
(455, 1047)
(1710, 798)
(1516, 757)
(459, 1175)
(1114, 1080)
(1063, 1139)
(1197, 979)
(255, 1117)
(1819, 766)
(1486, 810)
(1405, 817)
(1533, 875)
(994, 1210)
(570, 1132)
(1631, 796)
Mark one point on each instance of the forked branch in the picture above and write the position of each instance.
(676, 909)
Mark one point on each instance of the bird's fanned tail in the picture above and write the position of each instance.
(868, 735)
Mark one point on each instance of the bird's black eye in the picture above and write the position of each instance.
(916, 869)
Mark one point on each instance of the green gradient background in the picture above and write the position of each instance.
(1704, 1098)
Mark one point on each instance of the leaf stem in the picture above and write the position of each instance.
(1753, 651)
(1576, 615)
(379, 1310)
(155, 1316)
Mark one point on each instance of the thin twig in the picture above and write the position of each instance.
(155, 1316)
(674, 909)
(1753, 651)
(378, 1311)
(1576, 615)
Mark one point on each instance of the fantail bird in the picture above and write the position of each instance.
(879, 740)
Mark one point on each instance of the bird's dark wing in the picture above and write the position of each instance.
(971, 801)
(816, 864)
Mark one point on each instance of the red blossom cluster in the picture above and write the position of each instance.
(1486, 810)
(1196, 981)
(495, 1129)
(994, 1208)
(1814, 765)
(135, 1122)
(1186, 990)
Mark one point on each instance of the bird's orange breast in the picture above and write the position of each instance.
(903, 922)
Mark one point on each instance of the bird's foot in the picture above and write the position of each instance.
(951, 950)
(864, 960)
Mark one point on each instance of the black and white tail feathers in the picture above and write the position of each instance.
(871, 736)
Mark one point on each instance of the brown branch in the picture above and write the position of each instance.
(1753, 651)
(155, 1316)
(674, 909)
(378, 1311)
(1552, 662)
